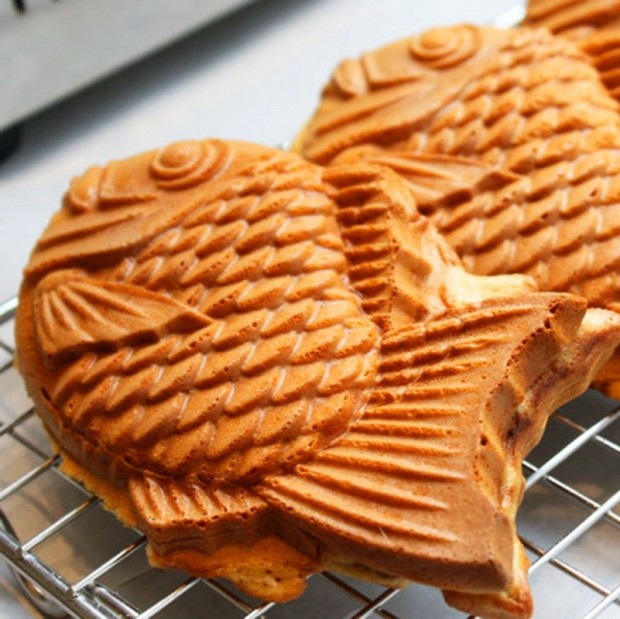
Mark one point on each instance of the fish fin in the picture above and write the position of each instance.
(434, 179)
(76, 314)
(218, 533)
(98, 238)
(432, 446)
(402, 267)
(170, 508)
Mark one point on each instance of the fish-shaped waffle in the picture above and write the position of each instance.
(509, 142)
(593, 25)
(273, 368)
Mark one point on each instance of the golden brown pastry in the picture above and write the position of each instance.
(272, 369)
(603, 48)
(594, 26)
(509, 142)
(572, 17)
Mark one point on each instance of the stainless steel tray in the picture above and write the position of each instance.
(89, 565)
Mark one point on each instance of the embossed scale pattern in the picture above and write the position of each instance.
(529, 105)
(177, 404)
(594, 27)
(277, 371)
(254, 236)
(559, 224)
(392, 480)
(500, 103)
(538, 95)
(396, 260)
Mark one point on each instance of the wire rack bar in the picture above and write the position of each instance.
(613, 596)
(11, 425)
(29, 445)
(571, 448)
(353, 592)
(171, 597)
(369, 609)
(577, 532)
(51, 582)
(28, 477)
(109, 564)
(259, 612)
(7, 310)
(59, 524)
(112, 603)
(229, 595)
(601, 440)
(579, 496)
(569, 569)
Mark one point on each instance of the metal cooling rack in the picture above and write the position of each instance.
(75, 558)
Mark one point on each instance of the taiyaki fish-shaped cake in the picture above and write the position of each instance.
(273, 368)
(593, 25)
(509, 142)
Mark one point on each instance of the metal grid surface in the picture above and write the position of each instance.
(58, 535)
